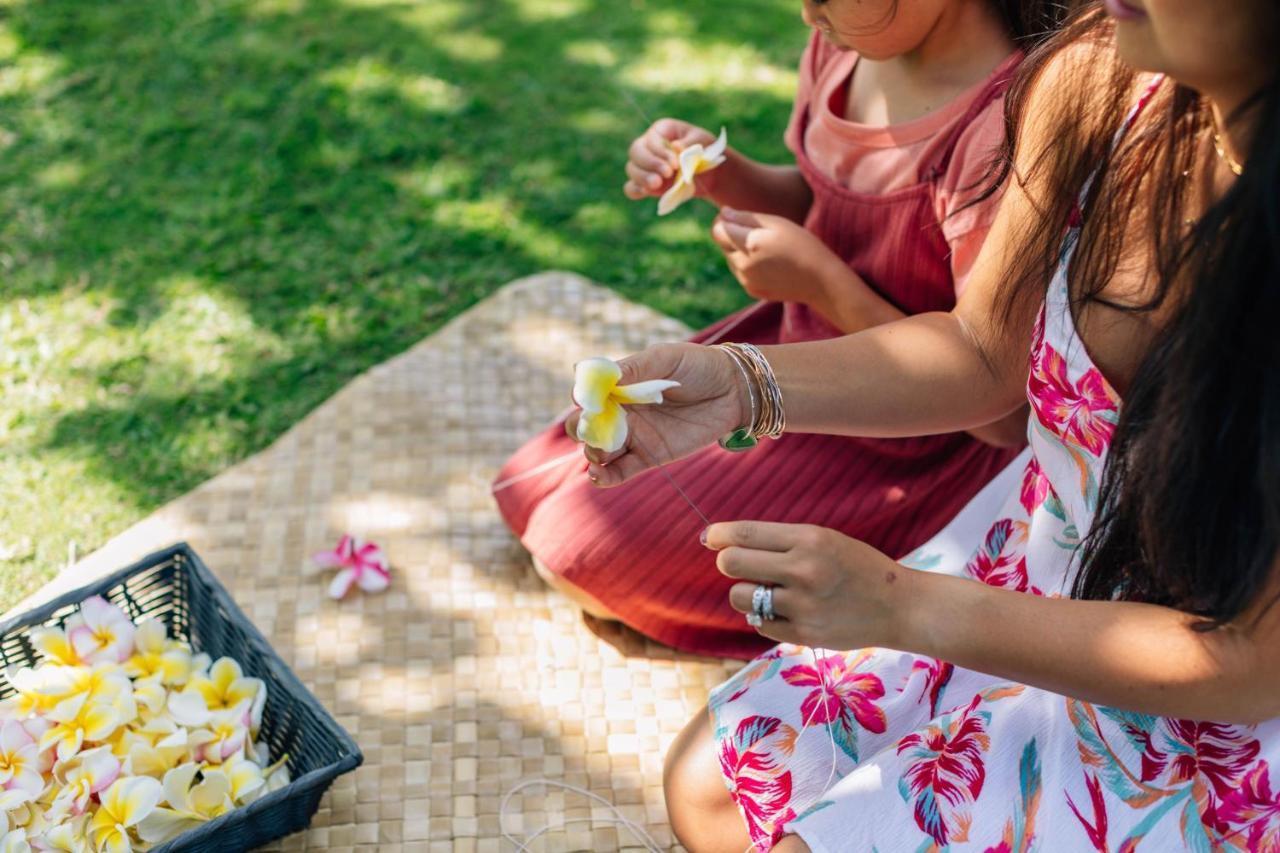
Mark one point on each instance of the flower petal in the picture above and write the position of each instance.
(605, 430)
(341, 583)
(715, 151)
(132, 799)
(188, 709)
(372, 580)
(689, 160)
(680, 192)
(163, 824)
(177, 785)
(593, 381)
(643, 392)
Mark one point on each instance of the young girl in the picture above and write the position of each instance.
(1060, 659)
(896, 121)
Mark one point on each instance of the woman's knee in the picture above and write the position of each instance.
(702, 813)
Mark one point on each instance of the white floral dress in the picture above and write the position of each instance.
(929, 756)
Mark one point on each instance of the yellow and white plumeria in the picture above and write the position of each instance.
(694, 160)
(123, 737)
(603, 423)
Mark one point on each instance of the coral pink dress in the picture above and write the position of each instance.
(890, 202)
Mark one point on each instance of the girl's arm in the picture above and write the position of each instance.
(745, 184)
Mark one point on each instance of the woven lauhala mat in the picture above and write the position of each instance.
(467, 675)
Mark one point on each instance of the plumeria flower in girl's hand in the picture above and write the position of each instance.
(359, 563)
(694, 160)
(603, 423)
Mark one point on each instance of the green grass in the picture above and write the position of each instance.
(215, 213)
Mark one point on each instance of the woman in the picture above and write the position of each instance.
(1058, 660)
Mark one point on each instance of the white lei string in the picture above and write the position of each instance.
(617, 818)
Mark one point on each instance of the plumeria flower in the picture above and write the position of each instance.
(20, 778)
(124, 805)
(100, 631)
(226, 686)
(68, 837)
(277, 775)
(226, 735)
(359, 563)
(77, 720)
(603, 423)
(15, 841)
(155, 654)
(694, 160)
(54, 646)
(81, 776)
(188, 804)
(143, 757)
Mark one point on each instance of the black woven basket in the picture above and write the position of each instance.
(174, 586)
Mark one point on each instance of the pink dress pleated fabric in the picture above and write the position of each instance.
(636, 548)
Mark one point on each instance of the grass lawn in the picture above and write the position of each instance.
(215, 213)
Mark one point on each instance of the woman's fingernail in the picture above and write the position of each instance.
(702, 537)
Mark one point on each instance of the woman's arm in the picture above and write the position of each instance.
(836, 592)
(1139, 657)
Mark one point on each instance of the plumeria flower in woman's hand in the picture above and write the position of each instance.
(124, 805)
(359, 563)
(101, 632)
(694, 160)
(603, 423)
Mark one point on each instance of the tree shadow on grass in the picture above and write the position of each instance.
(341, 178)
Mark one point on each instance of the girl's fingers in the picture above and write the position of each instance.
(651, 156)
(645, 178)
(720, 235)
(753, 535)
(744, 218)
(633, 192)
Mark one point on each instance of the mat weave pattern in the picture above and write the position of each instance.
(467, 675)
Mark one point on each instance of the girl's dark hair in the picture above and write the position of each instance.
(1189, 509)
(1031, 21)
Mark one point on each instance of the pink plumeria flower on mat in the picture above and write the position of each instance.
(603, 423)
(359, 563)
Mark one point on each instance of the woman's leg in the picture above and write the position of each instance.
(703, 815)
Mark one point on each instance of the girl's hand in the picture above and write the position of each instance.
(830, 591)
(654, 158)
(775, 258)
(710, 402)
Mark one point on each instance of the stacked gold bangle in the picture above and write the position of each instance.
(768, 419)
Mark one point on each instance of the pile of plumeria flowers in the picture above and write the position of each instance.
(122, 738)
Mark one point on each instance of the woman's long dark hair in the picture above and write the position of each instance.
(1189, 511)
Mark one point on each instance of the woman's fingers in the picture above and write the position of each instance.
(754, 535)
(742, 599)
(747, 564)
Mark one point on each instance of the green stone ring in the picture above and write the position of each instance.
(738, 440)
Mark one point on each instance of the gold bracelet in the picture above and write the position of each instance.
(770, 420)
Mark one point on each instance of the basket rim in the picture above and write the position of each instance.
(351, 756)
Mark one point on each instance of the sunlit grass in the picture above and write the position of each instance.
(214, 214)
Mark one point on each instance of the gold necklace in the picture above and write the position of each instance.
(1236, 167)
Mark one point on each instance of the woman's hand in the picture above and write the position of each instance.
(710, 402)
(830, 591)
(654, 158)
